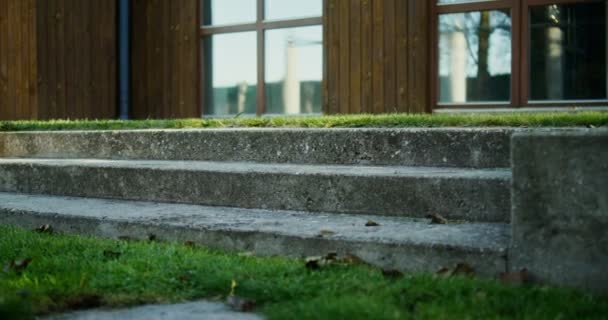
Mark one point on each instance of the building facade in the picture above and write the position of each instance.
(209, 58)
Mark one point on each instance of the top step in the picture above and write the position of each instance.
(432, 147)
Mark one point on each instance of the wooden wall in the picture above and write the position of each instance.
(164, 51)
(18, 82)
(76, 58)
(377, 56)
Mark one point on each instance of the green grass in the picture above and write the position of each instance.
(556, 119)
(70, 271)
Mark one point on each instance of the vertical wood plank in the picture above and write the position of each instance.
(402, 54)
(378, 56)
(3, 59)
(390, 75)
(60, 59)
(18, 63)
(355, 56)
(71, 60)
(189, 63)
(167, 41)
(418, 17)
(12, 71)
(333, 63)
(366, 57)
(42, 58)
(33, 61)
(138, 59)
(344, 56)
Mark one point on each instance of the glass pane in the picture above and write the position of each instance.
(568, 52)
(475, 57)
(294, 70)
(231, 73)
(222, 12)
(288, 9)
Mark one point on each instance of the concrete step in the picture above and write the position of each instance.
(456, 193)
(434, 147)
(397, 243)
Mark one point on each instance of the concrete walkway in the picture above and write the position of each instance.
(184, 311)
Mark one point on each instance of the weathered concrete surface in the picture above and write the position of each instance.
(398, 243)
(560, 207)
(469, 194)
(183, 311)
(444, 147)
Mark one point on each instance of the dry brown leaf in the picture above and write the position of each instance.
(352, 259)
(437, 219)
(189, 244)
(518, 277)
(313, 263)
(392, 273)
(371, 223)
(460, 269)
(45, 228)
(111, 254)
(240, 304)
(464, 269)
(84, 301)
(17, 265)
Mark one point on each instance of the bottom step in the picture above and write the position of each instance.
(397, 243)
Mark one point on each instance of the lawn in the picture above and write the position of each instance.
(556, 119)
(70, 272)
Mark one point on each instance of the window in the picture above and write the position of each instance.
(520, 52)
(261, 57)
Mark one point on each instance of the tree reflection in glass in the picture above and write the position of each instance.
(475, 57)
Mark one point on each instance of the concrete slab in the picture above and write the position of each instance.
(443, 147)
(183, 311)
(560, 207)
(456, 193)
(398, 243)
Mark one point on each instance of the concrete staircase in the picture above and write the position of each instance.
(294, 192)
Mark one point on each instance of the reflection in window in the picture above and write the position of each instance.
(474, 57)
(221, 12)
(294, 70)
(290, 9)
(231, 73)
(568, 52)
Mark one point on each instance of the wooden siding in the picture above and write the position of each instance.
(164, 59)
(377, 56)
(18, 83)
(76, 59)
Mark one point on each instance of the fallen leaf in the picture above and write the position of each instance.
(241, 304)
(111, 254)
(45, 228)
(352, 259)
(84, 301)
(152, 237)
(392, 273)
(371, 223)
(437, 219)
(463, 269)
(331, 256)
(460, 269)
(443, 271)
(518, 277)
(324, 233)
(190, 244)
(17, 265)
(313, 263)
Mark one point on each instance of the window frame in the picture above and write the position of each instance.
(260, 26)
(519, 53)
